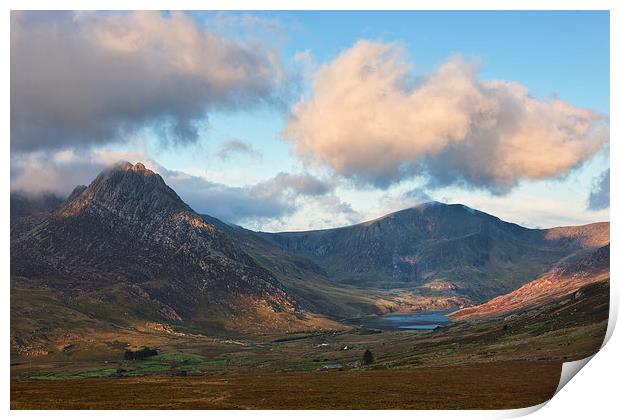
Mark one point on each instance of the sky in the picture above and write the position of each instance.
(306, 120)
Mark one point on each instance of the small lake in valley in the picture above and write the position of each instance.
(425, 320)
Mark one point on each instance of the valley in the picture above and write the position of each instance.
(519, 356)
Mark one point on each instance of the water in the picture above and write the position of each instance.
(427, 320)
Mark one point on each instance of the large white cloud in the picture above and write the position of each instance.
(90, 78)
(368, 119)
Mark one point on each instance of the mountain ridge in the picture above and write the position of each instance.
(447, 243)
(127, 246)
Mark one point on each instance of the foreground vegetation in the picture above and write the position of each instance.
(496, 385)
(508, 362)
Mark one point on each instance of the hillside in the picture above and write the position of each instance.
(564, 280)
(314, 289)
(441, 249)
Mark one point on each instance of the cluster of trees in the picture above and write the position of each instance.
(139, 354)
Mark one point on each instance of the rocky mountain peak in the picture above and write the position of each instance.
(129, 230)
(127, 190)
(125, 166)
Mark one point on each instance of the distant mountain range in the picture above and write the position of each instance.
(126, 249)
(436, 247)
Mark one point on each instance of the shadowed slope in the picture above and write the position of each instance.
(441, 248)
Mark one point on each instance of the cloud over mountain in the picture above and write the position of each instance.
(90, 78)
(368, 119)
(41, 173)
(270, 199)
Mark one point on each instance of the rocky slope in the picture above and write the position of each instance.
(565, 279)
(440, 249)
(127, 247)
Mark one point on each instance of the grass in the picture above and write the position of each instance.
(178, 357)
(146, 368)
(95, 373)
(173, 362)
(482, 386)
(494, 363)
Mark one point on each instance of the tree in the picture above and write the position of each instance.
(368, 358)
(139, 354)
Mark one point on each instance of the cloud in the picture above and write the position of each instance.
(315, 212)
(410, 198)
(52, 172)
(417, 196)
(231, 204)
(234, 146)
(368, 119)
(249, 205)
(88, 79)
(244, 20)
(599, 196)
(263, 204)
(305, 63)
(336, 206)
(532, 210)
(292, 184)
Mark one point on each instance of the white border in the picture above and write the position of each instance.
(312, 5)
(592, 395)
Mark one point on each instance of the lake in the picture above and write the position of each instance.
(426, 320)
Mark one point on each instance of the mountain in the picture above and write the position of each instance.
(439, 249)
(564, 280)
(128, 248)
(127, 252)
(315, 291)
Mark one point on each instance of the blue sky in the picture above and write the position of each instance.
(564, 53)
(552, 52)
(555, 54)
